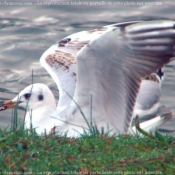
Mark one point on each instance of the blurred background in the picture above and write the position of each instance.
(27, 29)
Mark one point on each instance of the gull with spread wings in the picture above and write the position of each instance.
(100, 75)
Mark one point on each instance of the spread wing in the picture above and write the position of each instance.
(110, 68)
(60, 60)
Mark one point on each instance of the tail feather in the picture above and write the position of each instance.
(152, 125)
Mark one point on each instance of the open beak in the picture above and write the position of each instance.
(8, 104)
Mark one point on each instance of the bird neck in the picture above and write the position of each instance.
(38, 116)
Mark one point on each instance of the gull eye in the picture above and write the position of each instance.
(27, 96)
(40, 97)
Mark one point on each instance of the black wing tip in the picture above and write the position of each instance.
(62, 42)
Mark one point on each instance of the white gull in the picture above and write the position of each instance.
(100, 72)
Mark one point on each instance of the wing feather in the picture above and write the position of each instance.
(60, 61)
(110, 68)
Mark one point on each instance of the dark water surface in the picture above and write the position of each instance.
(26, 31)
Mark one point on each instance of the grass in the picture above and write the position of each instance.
(25, 153)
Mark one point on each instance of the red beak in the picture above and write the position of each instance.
(8, 104)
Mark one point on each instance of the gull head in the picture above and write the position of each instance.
(33, 97)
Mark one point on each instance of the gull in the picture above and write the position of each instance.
(148, 98)
(100, 75)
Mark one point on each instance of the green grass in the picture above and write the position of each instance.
(23, 152)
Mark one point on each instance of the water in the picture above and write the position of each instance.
(26, 31)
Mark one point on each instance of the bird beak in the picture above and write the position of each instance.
(8, 104)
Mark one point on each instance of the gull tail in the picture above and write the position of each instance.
(150, 126)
